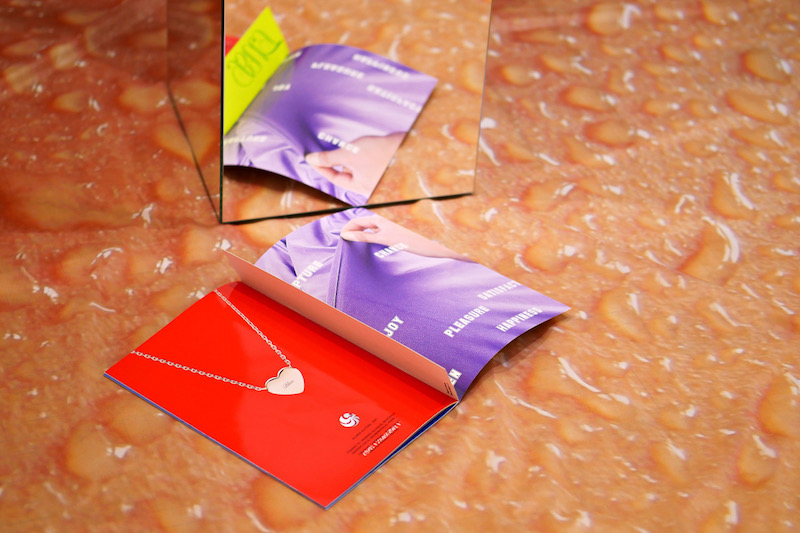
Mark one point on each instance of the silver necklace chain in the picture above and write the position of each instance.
(198, 372)
(216, 376)
(254, 328)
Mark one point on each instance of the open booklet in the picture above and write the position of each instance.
(341, 344)
(331, 116)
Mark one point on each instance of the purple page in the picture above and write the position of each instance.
(451, 310)
(330, 117)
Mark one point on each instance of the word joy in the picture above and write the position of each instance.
(393, 326)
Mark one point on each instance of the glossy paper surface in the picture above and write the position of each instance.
(444, 306)
(354, 411)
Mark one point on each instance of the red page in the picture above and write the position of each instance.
(353, 412)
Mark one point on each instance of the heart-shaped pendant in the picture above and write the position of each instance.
(288, 381)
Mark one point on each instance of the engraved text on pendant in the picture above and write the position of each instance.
(288, 381)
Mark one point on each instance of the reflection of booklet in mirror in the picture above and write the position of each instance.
(345, 341)
(331, 117)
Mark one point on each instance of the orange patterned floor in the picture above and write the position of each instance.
(638, 162)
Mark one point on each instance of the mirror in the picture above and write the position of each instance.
(194, 80)
(410, 133)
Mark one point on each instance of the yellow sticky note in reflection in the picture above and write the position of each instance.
(249, 64)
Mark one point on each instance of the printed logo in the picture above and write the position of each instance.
(349, 420)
